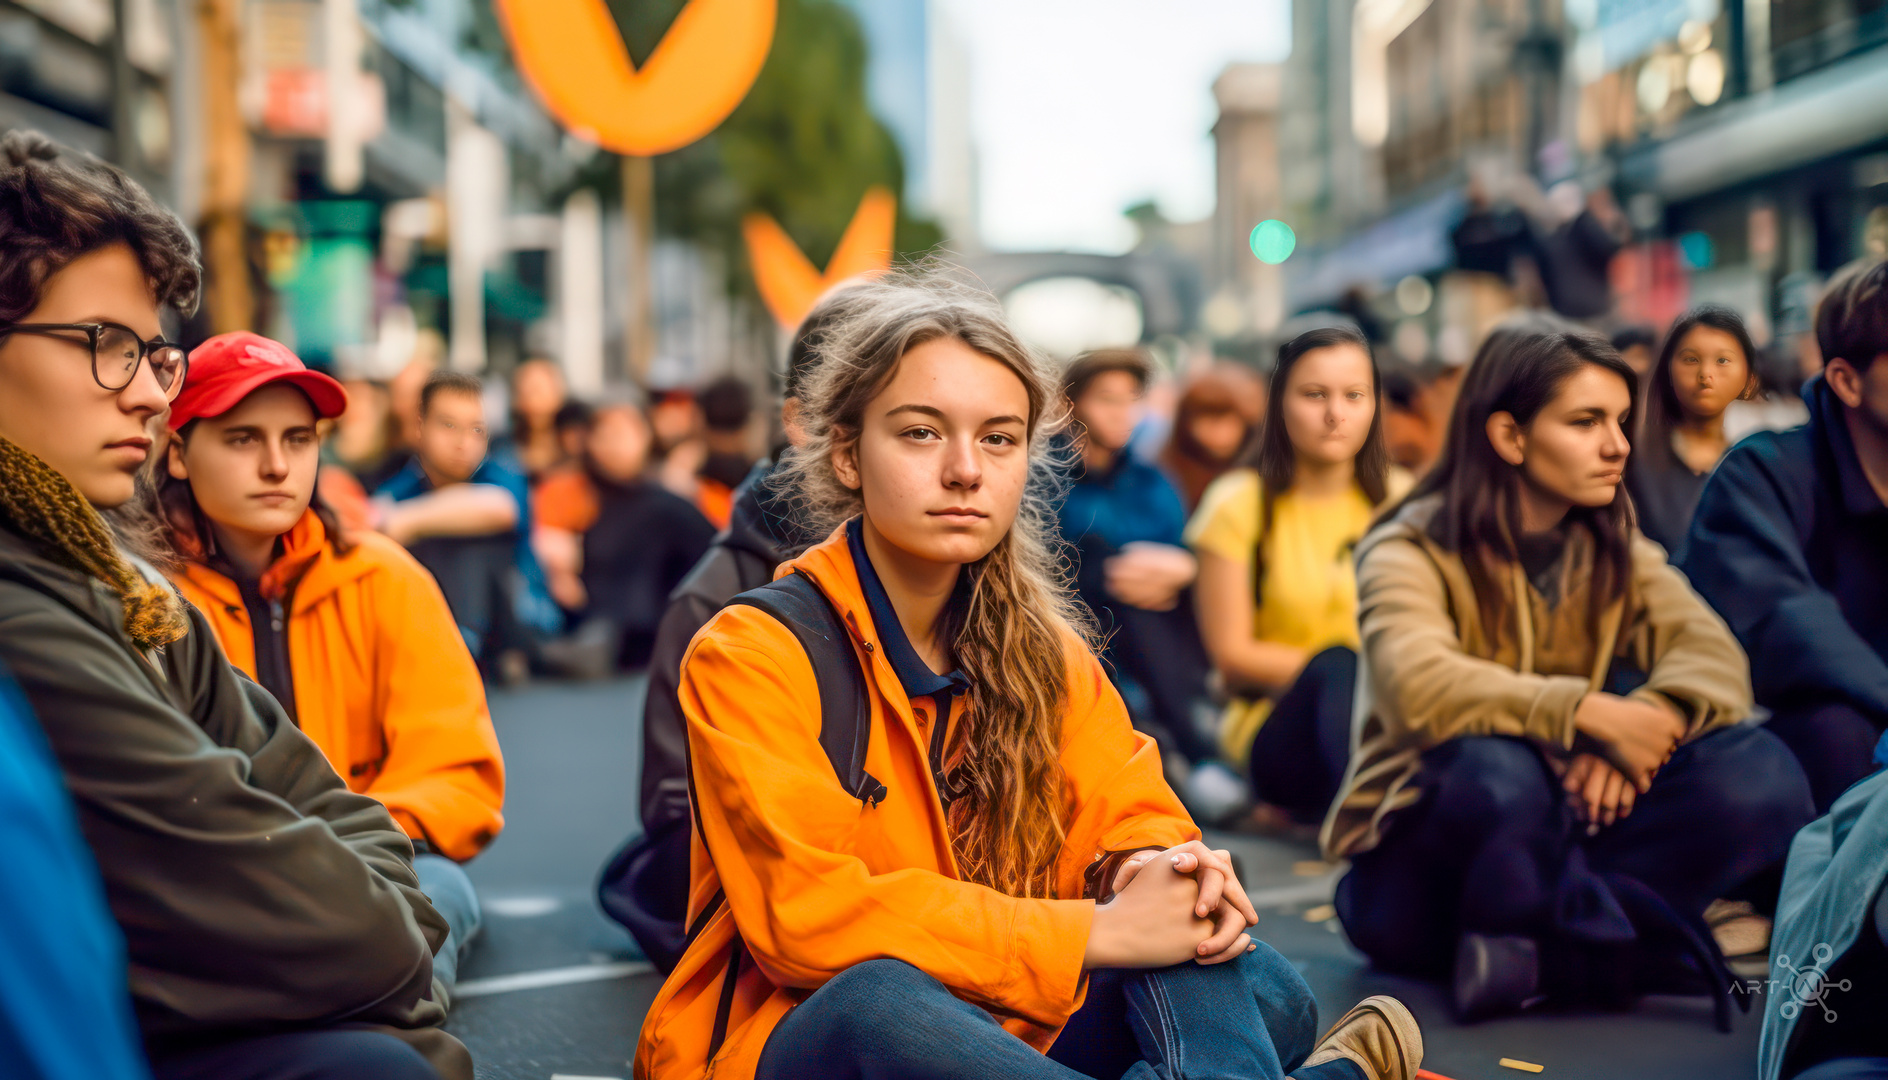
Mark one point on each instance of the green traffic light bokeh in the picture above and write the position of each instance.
(1273, 241)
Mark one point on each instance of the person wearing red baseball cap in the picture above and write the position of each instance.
(345, 628)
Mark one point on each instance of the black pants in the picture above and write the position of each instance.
(1833, 741)
(1299, 756)
(1162, 652)
(479, 576)
(1493, 846)
(299, 1055)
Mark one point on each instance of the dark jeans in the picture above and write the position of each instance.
(1299, 756)
(1834, 742)
(1251, 1018)
(1493, 847)
(1162, 653)
(299, 1055)
(480, 577)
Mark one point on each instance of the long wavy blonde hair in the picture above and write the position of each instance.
(1012, 637)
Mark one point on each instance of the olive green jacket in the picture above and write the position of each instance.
(1429, 671)
(255, 891)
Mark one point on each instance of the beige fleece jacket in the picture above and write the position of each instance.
(1431, 672)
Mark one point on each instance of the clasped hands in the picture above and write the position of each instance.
(1184, 903)
(1638, 736)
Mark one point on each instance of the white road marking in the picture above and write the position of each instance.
(522, 907)
(538, 980)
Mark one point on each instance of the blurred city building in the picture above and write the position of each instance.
(1736, 150)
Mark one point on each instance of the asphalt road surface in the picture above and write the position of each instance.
(554, 989)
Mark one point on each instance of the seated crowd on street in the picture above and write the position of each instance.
(1578, 681)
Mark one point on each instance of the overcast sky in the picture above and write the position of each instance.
(1081, 108)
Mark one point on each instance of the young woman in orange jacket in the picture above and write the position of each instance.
(1028, 899)
(348, 632)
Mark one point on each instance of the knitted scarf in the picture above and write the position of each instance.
(41, 505)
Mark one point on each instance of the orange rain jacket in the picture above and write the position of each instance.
(817, 881)
(384, 684)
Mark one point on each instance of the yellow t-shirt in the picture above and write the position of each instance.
(1308, 598)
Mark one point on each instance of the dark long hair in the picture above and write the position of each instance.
(1662, 409)
(1276, 460)
(1519, 370)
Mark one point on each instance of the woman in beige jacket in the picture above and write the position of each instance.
(1550, 776)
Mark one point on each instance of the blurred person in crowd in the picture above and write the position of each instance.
(680, 450)
(1214, 420)
(572, 424)
(63, 1007)
(1417, 400)
(978, 921)
(648, 891)
(403, 403)
(1638, 346)
(1551, 780)
(727, 410)
(1277, 598)
(1788, 540)
(1576, 255)
(261, 901)
(465, 514)
(344, 628)
(615, 541)
(1706, 364)
(1492, 235)
(1124, 521)
(368, 431)
(537, 394)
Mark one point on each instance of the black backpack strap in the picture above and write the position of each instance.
(845, 730)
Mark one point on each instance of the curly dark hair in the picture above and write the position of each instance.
(57, 204)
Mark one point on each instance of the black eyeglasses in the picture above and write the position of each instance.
(116, 353)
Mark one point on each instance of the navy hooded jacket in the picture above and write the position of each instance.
(1790, 545)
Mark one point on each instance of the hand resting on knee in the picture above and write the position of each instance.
(1184, 903)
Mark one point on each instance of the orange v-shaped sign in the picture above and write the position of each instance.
(788, 281)
(573, 54)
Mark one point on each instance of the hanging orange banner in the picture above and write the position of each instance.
(790, 284)
(573, 55)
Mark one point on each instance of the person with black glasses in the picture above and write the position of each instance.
(262, 902)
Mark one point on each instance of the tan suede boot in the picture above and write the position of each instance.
(1380, 1035)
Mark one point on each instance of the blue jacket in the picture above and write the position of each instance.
(1131, 501)
(65, 1009)
(1788, 545)
(1837, 865)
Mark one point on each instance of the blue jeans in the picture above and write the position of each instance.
(445, 884)
(1252, 1018)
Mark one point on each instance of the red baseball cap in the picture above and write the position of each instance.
(229, 367)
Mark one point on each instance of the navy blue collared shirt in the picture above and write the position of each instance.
(915, 676)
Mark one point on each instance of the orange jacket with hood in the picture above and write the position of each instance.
(818, 881)
(384, 684)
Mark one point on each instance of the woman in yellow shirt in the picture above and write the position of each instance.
(1277, 592)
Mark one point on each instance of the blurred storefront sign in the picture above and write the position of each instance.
(289, 81)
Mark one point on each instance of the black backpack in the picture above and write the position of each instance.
(644, 886)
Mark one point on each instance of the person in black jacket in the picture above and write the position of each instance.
(761, 534)
(1788, 544)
